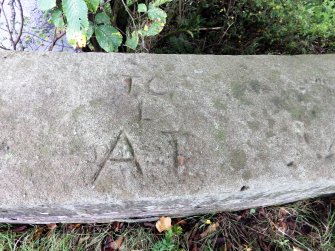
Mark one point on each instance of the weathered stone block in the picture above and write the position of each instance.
(101, 137)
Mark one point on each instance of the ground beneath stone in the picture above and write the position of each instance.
(305, 225)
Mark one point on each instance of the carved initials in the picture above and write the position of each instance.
(121, 150)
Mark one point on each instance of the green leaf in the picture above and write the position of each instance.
(252, 211)
(93, 5)
(130, 2)
(108, 9)
(90, 30)
(132, 41)
(102, 18)
(152, 30)
(76, 13)
(157, 14)
(45, 5)
(160, 2)
(108, 37)
(142, 8)
(56, 18)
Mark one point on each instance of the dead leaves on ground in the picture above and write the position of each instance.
(163, 224)
(113, 245)
(247, 230)
(52, 226)
(297, 249)
(212, 228)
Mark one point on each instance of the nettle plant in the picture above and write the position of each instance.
(87, 22)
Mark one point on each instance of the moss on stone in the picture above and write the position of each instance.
(270, 134)
(218, 104)
(44, 151)
(256, 86)
(78, 111)
(95, 103)
(221, 135)
(75, 145)
(247, 175)
(254, 125)
(238, 159)
(170, 67)
(238, 90)
(295, 103)
(271, 123)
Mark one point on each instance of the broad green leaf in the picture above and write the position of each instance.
(160, 2)
(90, 30)
(102, 18)
(93, 5)
(45, 5)
(76, 13)
(56, 18)
(142, 8)
(132, 41)
(152, 30)
(157, 14)
(108, 37)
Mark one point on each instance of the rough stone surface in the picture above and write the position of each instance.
(101, 137)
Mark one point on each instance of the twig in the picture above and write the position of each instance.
(14, 36)
(18, 38)
(7, 24)
(128, 11)
(210, 28)
(4, 48)
(56, 38)
(34, 35)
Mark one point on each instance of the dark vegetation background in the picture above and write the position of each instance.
(247, 27)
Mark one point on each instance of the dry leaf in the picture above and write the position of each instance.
(20, 229)
(297, 249)
(247, 248)
(149, 224)
(210, 229)
(83, 239)
(163, 224)
(283, 212)
(73, 226)
(52, 226)
(181, 222)
(115, 245)
(38, 232)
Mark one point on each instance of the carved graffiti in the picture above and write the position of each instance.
(121, 150)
